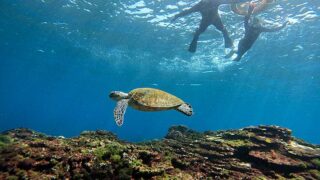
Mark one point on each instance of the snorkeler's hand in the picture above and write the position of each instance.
(251, 7)
(286, 23)
(175, 17)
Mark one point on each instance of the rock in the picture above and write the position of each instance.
(26, 164)
(274, 132)
(177, 132)
(263, 152)
(177, 163)
(297, 149)
(273, 157)
(149, 157)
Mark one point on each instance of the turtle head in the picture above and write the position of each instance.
(186, 109)
(118, 95)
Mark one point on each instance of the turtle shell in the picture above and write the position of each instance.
(154, 98)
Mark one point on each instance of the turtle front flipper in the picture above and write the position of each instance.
(186, 109)
(120, 110)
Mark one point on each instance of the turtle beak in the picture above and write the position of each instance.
(113, 95)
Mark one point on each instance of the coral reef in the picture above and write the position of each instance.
(263, 152)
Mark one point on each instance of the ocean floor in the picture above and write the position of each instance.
(263, 152)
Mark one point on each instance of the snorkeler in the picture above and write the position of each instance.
(241, 8)
(252, 31)
(210, 16)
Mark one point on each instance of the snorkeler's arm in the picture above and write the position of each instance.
(195, 8)
(247, 17)
(237, 10)
(262, 6)
(275, 29)
(232, 1)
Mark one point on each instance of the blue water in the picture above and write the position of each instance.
(60, 59)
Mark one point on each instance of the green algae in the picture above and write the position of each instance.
(295, 177)
(225, 172)
(260, 178)
(135, 163)
(245, 133)
(115, 158)
(268, 140)
(315, 173)
(99, 153)
(168, 156)
(279, 177)
(5, 140)
(239, 143)
(112, 149)
(303, 165)
(12, 178)
(316, 162)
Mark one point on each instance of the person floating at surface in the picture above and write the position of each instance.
(253, 29)
(241, 9)
(210, 16)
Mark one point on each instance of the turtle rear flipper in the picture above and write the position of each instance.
(185, 109)
(120, 110)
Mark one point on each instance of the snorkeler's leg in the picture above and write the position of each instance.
(193, 45)
(228, 43)
(242, 49)
(237, 58)
(230, 54)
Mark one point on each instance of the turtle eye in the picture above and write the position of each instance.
(112, 94)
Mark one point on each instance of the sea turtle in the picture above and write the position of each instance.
(147, 99)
